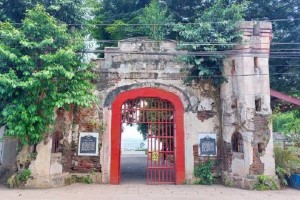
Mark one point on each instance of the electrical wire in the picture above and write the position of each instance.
(182, 43)
(170, 24)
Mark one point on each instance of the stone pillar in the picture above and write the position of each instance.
(246, 107)
(8, 153)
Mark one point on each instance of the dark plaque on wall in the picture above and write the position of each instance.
(88, 144)
(207, 146)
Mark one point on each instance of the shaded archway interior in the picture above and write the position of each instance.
(159, 115)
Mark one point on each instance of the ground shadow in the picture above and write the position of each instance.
(133, 168)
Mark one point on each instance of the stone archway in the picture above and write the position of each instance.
(116, 130)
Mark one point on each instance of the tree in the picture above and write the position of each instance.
(217, 28)
(67, 11)
(284, 56)
(155, 21)
(112, 15)
(184, 11)
(287, 123)
(40, 70)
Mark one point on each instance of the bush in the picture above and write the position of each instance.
(287, 162)
(19, 179)
(203, 172)
(265, 183)
(79, 179)
(282, 175)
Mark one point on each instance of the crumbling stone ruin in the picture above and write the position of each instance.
(229, 124)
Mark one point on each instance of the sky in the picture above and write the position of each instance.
(130, 134)
(131, 138)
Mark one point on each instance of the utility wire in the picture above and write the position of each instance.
(171, 24)
(211, 67)
(220, 68)
(183, 43)
(235, 53)
(186, 76)
(179, 51)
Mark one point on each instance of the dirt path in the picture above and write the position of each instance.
(142, 192)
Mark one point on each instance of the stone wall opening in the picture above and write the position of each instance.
(153, 119)
(237, 143)
(178, 134)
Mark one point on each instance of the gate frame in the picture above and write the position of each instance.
(115, 154)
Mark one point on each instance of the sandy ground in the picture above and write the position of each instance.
(133, 187)
(142, 192)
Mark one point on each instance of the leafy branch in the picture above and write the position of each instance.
(40, 71)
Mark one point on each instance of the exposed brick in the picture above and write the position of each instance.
(257, 166)
(227, 156)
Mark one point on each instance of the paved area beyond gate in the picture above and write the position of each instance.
(143, 192)
(133, 168)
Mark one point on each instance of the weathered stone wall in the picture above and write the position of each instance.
(57, 156)
(8, 153)
(152, 64)
(241, 105)
(68, 126)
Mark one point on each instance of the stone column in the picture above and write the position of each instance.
(246, 107)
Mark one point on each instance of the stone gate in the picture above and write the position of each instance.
(227, 124)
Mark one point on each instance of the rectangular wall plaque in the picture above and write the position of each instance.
(207, 144)
(88, 144)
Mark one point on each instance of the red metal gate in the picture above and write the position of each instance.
(155, 119)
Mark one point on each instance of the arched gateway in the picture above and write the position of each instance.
(143, 82)
(162, 111)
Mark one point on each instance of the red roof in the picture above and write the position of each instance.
(284, 101)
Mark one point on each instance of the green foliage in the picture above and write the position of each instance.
(265, 183)
(24, 175)
(19, 179)
(283, 32)
(116, 30)
(203, 172)
(33, 155)
(184, 11)
(282, 175)
(149, 115)
(286, 161)
(40, 71)
(154, 21)
(113, 12)
(88, 180)
(218, 24)
(204, 12)
(157, 23)
(79, 179)
(287, 123)
(67, 11)
(143, 129)
(228, 182)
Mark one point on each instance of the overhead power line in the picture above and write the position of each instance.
(192, 76)
(170, 24)
(179, 43)
(211, 67)
(236, 53)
